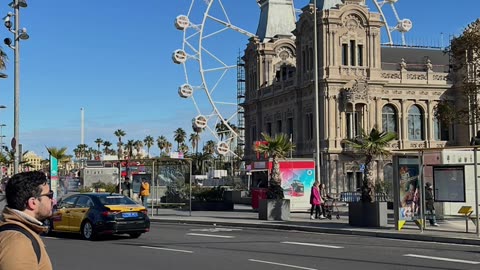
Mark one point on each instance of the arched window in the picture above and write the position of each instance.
(415, 124)
(389, 119)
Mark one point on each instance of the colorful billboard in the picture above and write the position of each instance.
(297, 181)
(409, 188)
(54, 176)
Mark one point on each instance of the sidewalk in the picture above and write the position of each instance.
(451, 229)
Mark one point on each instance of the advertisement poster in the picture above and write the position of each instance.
(54, 176)
(297, 180)
(409, 203)
(449, 184)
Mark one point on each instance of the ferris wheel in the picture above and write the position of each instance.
(207, 30)
(400, 25)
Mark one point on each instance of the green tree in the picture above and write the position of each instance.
(275, 148)
(149, 141)
(194, 139)
(99, 142)
(373, 145)
(61, 155)
(106, 145)
(461, 105)
(119, 134)
(161, 143)
(179, 137)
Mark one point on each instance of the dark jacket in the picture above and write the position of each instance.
(429, 199)
(16, 252)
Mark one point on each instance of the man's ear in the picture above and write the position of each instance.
(32, 203)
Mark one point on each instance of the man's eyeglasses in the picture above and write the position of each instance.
(49, 195)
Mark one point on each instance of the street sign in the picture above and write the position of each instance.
(362, 167)
(13, 143)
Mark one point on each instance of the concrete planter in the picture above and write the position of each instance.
(211, 206)
(362, 214)
(237, 197)
(274, 209)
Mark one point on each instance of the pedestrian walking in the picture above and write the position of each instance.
(430, 207)
(144, 191)
(126, 187)
(29, 203)
(315, 201)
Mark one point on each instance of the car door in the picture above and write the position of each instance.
(79, 213)
(62, 215)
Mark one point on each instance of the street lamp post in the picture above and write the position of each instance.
(17, 35)
(317, 114)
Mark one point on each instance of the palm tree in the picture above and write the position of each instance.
(119, 134)
(148, 143)
(372, 146)
(61, 155)
(194, 138)
(99, 142)
(137, 144)
(161, 143)
(168, 147)
(106, 145)
(179, 136)
(221, 129)
(276, 148)
(130, 145)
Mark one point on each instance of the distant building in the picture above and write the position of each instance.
(361, 84)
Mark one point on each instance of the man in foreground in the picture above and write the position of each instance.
(29, 202)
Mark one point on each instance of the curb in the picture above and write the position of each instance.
(287, 227)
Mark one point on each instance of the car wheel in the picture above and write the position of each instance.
(87, 230)
(135, 235)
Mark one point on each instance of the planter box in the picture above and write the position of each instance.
(237, 197)
(362, 214)
(211, 206)
(274, 209)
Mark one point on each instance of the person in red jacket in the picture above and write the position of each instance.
(315, 201)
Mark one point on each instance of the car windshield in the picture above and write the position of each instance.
(116, 200)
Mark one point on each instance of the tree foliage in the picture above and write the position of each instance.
(463, 107)
(371, 145)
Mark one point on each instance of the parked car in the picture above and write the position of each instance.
(95, 214)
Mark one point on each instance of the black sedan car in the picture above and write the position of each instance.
(95, 214)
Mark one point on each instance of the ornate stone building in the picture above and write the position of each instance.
(361, 84)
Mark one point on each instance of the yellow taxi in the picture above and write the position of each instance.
(96, 214)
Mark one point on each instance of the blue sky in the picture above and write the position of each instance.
(113, 58)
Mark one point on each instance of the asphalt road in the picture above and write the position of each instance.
(175, 246)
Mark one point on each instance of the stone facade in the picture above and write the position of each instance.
(358, 89)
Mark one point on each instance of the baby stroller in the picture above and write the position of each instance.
(331, 208)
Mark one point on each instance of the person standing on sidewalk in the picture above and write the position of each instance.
(315, 201)
(429, 204)
(144, 191)
(29, 202)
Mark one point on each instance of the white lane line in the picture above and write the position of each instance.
(168, 249)
(281, 264)
(311, 244)
(440, 259)
(210, 235)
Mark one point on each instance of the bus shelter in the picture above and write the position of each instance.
(453, 172)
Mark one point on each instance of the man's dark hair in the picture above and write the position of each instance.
(22, 186)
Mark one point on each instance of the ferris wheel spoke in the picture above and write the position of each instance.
(214, 57)
(231, 26)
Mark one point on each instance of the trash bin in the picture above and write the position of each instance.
(257, 195)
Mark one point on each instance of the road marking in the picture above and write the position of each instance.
(310, 244)
(210, 235)
(440, 259)
(168, 249)
(281, 264)
(215, 230)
